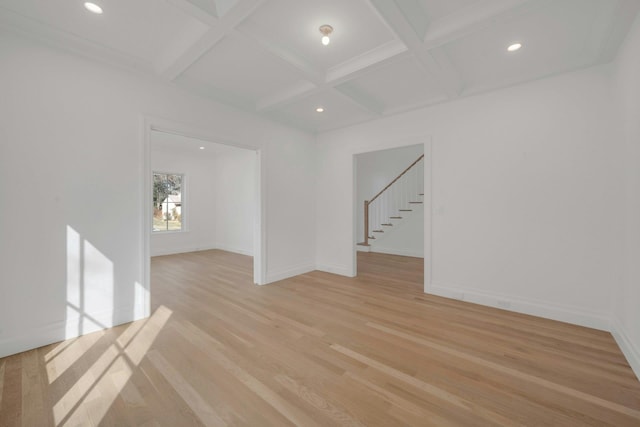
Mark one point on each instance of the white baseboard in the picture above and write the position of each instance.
(187, 249)
(573, 315)
(274, 276)
(336, 269)
(361, 248)
(630, 351)
(182, 250)
(394, 251)
(234, 250)
(63, 330)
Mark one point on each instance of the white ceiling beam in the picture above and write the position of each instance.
(222, 6)
(172, 67)
(395, 17)
(314, 80)
(349, 68)
(476, 17)
(295, 63)
(196, 12)
(175, 63)
(415, 15)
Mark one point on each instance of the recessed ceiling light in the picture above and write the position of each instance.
(514, 47)
(92, 7)
(319, 110)
(202, 148)
(325, 30)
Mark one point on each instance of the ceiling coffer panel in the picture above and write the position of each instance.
(384, 56)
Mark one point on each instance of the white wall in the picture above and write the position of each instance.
(626, 304)
(235, 186)
(525, 192)
(220, 197)
(374, 171)
(71, 162)
(199, 202)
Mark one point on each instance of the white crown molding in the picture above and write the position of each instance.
(476, 17)
(70, 42)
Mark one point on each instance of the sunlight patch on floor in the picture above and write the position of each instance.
(70, 355)
(89, 399)
(59, 348)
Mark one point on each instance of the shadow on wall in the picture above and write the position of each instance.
(84, 379)
(91, 291)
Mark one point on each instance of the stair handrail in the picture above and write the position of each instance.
(368, 202)
(397, 178)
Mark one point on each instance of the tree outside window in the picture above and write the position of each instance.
(168, 202)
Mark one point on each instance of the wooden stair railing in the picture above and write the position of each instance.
(367, 203)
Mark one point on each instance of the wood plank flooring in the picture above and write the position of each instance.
(319, 350)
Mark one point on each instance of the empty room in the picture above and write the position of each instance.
(320, 212)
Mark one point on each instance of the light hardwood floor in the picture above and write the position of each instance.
(319, 350)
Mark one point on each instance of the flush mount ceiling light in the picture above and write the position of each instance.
(514, 47)
(325, 30)
(92, 7)
(202, 148)
(319, 110)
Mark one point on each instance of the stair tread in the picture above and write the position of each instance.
(405, 210)
(388, 225)
(416, 203)
(421, 194)
(395, 217)
(378, 231)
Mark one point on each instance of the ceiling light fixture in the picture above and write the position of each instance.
(325, 30)
(319, 110)
(514, 47)
(202, 148)
(92, 7)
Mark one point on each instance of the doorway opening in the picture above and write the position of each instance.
(200, 194)
(392, 211)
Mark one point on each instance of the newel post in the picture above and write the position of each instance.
(366, 223)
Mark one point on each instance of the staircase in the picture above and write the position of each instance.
(394, 202)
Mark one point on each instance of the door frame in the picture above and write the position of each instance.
(426, 141)
(150, 123)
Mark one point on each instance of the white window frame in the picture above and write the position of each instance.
(183, 199)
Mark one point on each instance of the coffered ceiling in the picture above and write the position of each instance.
(385, 56)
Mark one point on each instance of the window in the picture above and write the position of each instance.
(168, 200)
